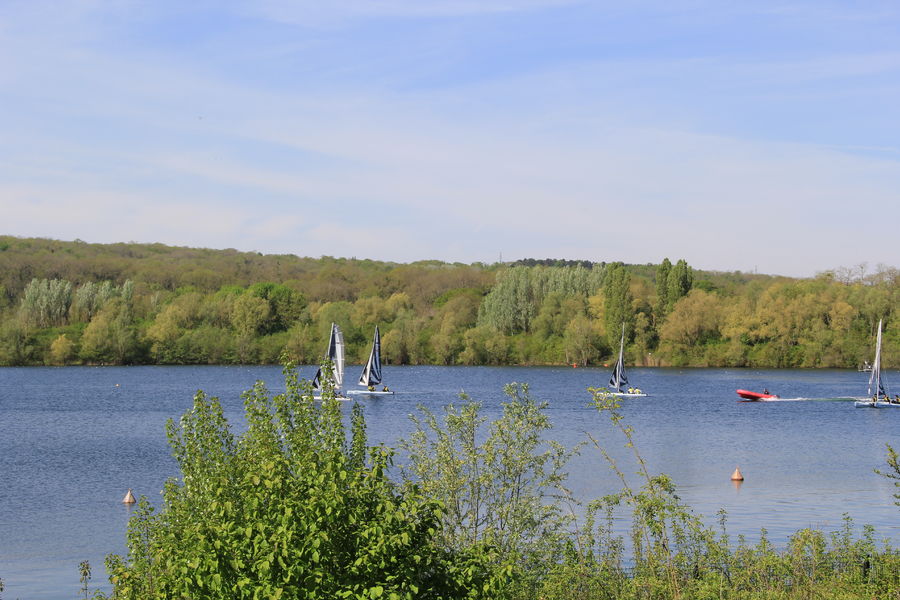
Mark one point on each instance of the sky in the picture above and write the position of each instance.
(754, 136)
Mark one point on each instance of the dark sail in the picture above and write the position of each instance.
(618, 378)
(371, 374)
(317, 379)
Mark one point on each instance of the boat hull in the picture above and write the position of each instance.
(871, 404)
(754, 396)
(368, 393)
(627, 395)
(338, 398)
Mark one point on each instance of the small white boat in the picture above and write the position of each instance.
(619, 379)
(371, 375)
(335, 354)
(876, 397)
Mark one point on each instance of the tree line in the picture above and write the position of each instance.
(78, 303)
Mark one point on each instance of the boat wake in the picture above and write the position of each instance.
(804, 399)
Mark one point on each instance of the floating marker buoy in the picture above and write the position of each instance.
(129, 498)
(737, 475)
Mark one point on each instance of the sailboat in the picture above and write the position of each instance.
(371, 375)
(619, 378)
(877, 397)
(335, 354)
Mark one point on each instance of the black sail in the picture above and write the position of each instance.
(618, 378)
(371, 374)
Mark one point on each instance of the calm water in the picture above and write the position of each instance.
(73, 440)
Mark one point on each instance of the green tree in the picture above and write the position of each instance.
(286, 305)
(110, 336)
(90, 297)
(499, 486)
(679, 282)
(61, 350)
(617, 303)
(15, 342)
(581, 342)
(182, 313)
(894, 463)
(46, 302)
(661, 308)
(249, 316)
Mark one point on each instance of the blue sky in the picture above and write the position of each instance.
(738, 136)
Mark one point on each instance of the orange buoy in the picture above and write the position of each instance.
(737, 475)
(129, 498)
(574, 365)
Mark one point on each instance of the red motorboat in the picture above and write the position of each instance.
(748, 395)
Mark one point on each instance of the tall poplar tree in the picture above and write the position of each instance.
(618, 303)
(662, 291)
(680, 282)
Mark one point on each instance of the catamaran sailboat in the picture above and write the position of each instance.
(371, 375)
(335, 354)
(877, 397)
(619, 379)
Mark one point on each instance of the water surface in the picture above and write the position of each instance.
(74, 439)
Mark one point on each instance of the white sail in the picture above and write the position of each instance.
(876, 386)
(338, 357)
(371, 374)
(335, 354)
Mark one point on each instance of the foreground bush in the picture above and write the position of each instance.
(503, 482)
(290, 509)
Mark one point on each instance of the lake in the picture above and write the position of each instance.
(74, 439)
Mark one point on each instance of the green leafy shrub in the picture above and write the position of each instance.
(291, 508)
(501, 482)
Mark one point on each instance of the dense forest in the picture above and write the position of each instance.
(80, 303)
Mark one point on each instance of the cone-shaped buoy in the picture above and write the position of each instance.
(129, 498)
(737, 476)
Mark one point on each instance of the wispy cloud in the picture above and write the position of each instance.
(310, 12)
(607, 153)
